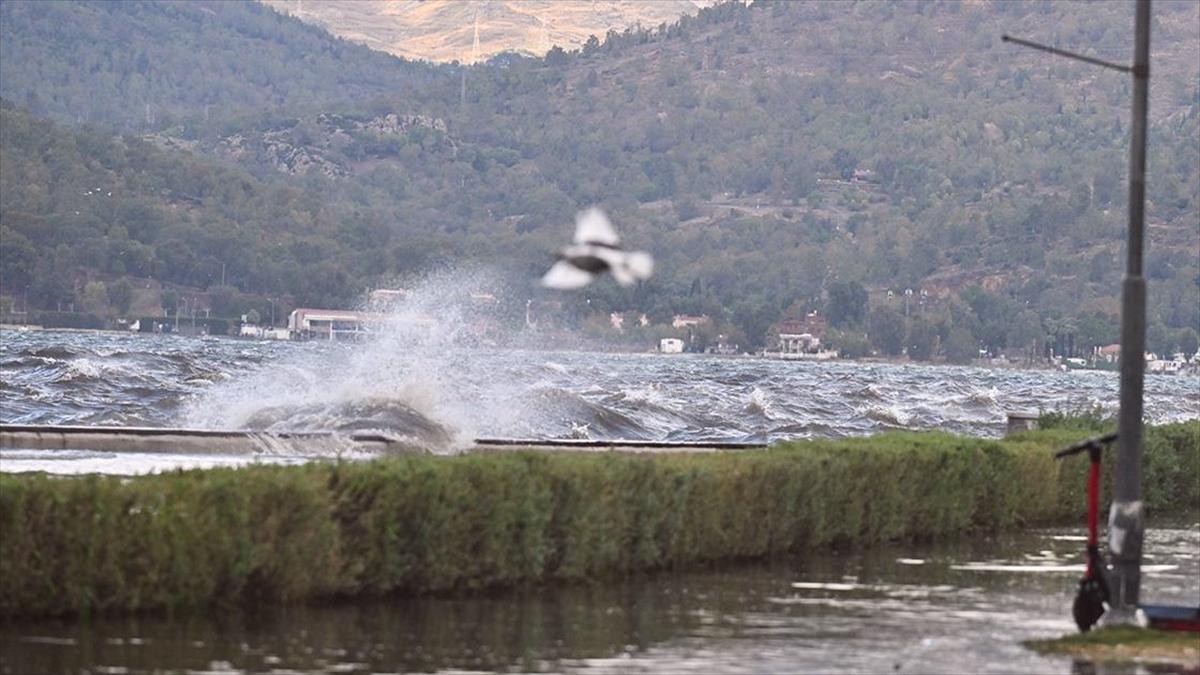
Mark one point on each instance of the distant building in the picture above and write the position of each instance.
(670, 346)
(689, 321)
(799, 336)
(617, 319)
(253, 331)
(330, 324)
(1109, 353)
(724, 346)
(798, 343)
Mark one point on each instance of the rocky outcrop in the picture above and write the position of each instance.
(318, 144)
(297, 160)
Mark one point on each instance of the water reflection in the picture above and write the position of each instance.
(894, 609)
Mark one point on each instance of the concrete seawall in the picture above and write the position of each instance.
(206, 441)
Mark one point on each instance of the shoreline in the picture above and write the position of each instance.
(982, 364)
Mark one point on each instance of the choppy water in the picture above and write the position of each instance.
(444, 395)
(960, 607)
(948, 608)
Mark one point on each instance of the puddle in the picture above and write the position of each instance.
(948, 608)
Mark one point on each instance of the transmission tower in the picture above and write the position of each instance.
(462, 92)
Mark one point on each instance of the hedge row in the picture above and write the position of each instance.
(435, 524)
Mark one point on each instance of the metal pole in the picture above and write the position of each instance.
(1126, 520)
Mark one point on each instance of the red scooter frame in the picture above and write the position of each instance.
(1093, 588)
(1093, 592)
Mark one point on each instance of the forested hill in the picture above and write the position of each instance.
(771, 156)
(82, 205)
(135, 65)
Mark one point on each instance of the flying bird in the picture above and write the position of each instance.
(596, 250)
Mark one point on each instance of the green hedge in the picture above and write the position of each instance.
(432, 524)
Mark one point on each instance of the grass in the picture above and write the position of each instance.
(1126, 643)
(266, 534)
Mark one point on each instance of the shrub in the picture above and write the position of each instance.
(437, 524)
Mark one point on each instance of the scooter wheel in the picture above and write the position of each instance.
(1089, 604)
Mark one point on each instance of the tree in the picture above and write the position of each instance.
(95, 297)
(1101, 266)
(556, 57)
(845, 162)
(120, 296)
(922, 340)
(223, 300)
(1026, 332)
(18, 259)
(850, 344)
(847, 305)
(49, 290)
(886, 329)
(961, 346)
(169, 301)
(1188, 341)
(252, 317)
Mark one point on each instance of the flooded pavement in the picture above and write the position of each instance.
(962, 607)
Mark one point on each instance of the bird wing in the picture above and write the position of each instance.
(640, 264)
(627, 267)
(593, 227)
(566, 277)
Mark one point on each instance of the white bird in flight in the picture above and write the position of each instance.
(595, 250)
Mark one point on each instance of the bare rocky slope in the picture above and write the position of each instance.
(445, 30)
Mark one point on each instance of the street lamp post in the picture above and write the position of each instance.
(1126, 525)
(1126, 522)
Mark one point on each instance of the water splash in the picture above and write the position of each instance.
(405, 381)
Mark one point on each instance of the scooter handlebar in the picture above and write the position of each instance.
(1091, 443)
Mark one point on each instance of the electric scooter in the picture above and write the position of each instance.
(1093, 593)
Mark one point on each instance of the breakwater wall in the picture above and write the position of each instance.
(444, 524)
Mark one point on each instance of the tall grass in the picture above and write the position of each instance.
(434, 524)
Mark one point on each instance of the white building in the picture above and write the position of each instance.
(329, 324)
(799, 343)
(670, 346)
(689, 321)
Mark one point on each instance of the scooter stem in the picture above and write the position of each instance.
(1093, 496)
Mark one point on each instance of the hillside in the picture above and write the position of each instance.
(82, 206)
(140, 66)
(444, 30)
(770, 156)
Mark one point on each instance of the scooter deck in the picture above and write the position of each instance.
(1168, 617)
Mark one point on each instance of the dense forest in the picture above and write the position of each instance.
(776, 158)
